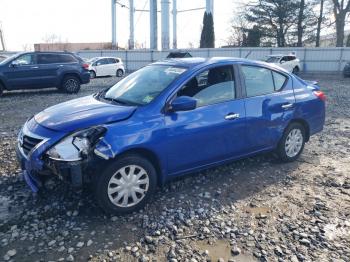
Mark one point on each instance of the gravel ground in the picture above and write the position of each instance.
(256, 209)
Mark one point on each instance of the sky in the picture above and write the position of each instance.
(25, 22)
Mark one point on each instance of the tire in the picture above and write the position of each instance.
(92, 74)
(287, 153)
(71, 84)
(106, 185)
(296, 70)
(119, 73)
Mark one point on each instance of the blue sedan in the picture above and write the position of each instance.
(167, 119)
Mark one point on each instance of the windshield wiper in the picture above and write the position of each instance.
(121, 101)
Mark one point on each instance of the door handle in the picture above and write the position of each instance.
(231, 116)
(34, 67)
(286, 106)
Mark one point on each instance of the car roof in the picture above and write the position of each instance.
(101, 57)
(197, 61)
(280, 55)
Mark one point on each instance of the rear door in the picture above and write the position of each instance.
(215, 130)
(49, 64)
(270, 105)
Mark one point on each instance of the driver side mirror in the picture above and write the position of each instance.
(15, 63)
(183, 103)
(282, 61)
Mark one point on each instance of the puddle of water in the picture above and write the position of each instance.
(222, 249)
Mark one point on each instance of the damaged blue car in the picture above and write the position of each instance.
(167, 119)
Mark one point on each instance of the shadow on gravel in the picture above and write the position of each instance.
(74, 216)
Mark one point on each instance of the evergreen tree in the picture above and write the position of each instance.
(207, 35)
(254, 36)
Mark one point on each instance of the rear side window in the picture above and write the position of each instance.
(212, 86)
(279, 80)
(55, 58)
(112, 60)
(260, 81)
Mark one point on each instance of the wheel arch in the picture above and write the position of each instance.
(150, 156)
(304, 123)
(64, 75)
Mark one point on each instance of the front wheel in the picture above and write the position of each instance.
(92, 74)
(295, 70)
(71, 84)
(126, 185)
(292, 142)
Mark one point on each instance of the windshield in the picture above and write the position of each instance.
(273, 59)
(7, 59)
(141, 87)
(90, 61)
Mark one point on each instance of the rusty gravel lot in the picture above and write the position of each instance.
(255, 209)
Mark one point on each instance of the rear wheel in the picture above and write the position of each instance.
(126, 185)
(292, 142)
(92, 74)
(71, 84)
(120, 73)
(296, 70)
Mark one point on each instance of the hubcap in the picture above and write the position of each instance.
(128, 186)
(294, 142)
(71, 85)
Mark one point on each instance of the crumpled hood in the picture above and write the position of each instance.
(82, 113)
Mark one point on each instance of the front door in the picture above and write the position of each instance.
(215, 130)
(23, 72)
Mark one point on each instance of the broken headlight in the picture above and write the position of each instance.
(76, 146)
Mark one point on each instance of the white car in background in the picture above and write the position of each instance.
(288, 62)
(106, 66)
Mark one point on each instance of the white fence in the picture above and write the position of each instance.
(312, 59)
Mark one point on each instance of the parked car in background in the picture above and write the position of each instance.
(346, 71)
(3, 57)
(179, 54)
(167, 119)
(63, 70)
(106, 66)
(289, 62)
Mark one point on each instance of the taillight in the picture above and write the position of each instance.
(320, 95)
(85, 66)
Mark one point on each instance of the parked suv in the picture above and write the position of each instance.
(167, 119)
(63, 70)
(106, 66)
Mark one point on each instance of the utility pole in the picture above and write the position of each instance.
(153, 24)
(114, 26)
(174, 24)
(131, 21)
(165, 24)
(2, 39)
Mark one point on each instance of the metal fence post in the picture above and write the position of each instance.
(126, 61)
(304, 60)
(340, 59)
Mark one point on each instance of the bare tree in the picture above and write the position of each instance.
(300, 22)
(341, 9)
(319, 23)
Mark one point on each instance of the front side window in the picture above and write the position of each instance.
(144, 85)
(211, 86)
(260, 81)
(27, 59)
(103, 61)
